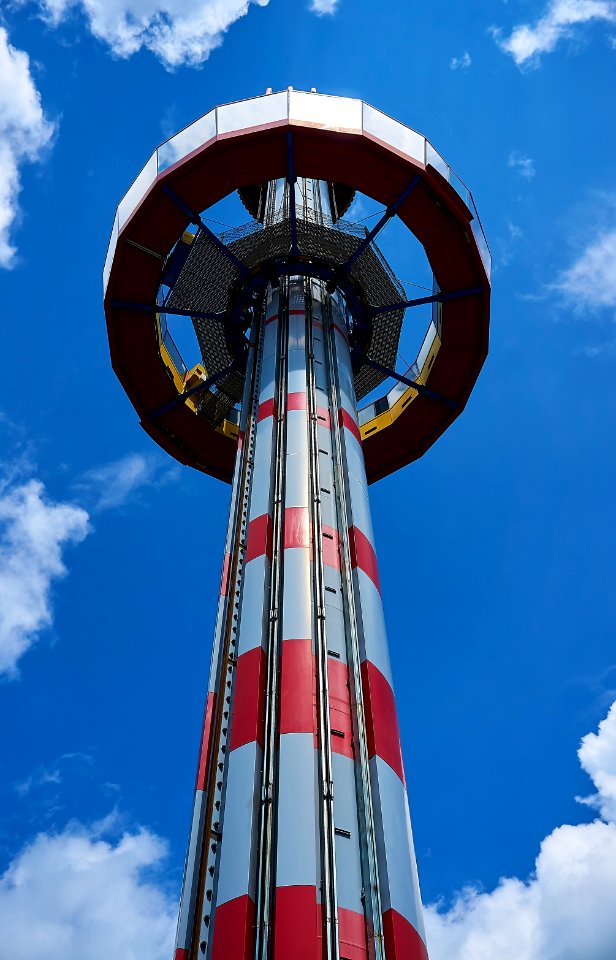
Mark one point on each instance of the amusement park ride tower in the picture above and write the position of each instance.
(300, 845)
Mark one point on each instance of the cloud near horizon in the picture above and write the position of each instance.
(565, 909)
(80, 894)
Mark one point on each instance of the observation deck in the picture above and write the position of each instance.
(162, 252)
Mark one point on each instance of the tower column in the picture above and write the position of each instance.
(300, 842)
(310, 854)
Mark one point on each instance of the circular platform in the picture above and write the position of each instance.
(337, 140)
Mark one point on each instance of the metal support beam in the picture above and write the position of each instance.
(390, 212)
(159, 308)
(421, 389)
(291, 181)
(440, 297)
(181, 397)
(196, 219)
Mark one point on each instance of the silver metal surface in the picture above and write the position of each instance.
(255, 605)
(397, 865)
(238, 848)
(373, 636)
(298, 826)
(348, 859)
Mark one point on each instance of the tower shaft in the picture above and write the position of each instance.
(300, 844)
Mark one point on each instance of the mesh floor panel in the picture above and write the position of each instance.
(205, 282)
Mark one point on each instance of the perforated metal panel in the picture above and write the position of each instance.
(205, 284)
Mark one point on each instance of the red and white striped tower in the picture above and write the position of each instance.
(300, 845)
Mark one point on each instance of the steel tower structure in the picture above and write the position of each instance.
(300, 845)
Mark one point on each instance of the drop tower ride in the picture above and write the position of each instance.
(300, 845)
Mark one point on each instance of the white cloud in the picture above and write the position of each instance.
(175, 31)
(598, 757)
(522, 164)
(527, 42)
(24, 134)
(113, 484)
(565, 909)
(461, 62)
(591, 280)
(34, 531)
(323, 7)
(77, 896)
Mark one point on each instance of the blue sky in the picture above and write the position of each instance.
(496, 550)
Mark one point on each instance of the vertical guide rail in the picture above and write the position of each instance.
(267, 847)
(364, 792)
(207, 852)
(191, 877)
(329, 897)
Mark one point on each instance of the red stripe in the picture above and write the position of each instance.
(296, 313)
(259, 538)
(363, 555)
(297, 924)
(297, 694)
(224, 580)
(331, 551)
(180, 954)
(249, 699)
(340, 708)
(346, 420)
(234, 930)
(402, 942)
(323, 417)
(206, 740)
(296, 527)
(266, 409)
(240, 440)
(296, 401)
(352, 935)
(317, 323)
(271, 319)
(342, 332)
(381, 718)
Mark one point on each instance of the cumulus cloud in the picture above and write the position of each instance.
(175, 31)
(24, 134)
(113, 484)
(527, 42)
(463, 62)
(598, 757)
(34, 532)
(591, 280)
(323, 7)
(565, 909)
(522, 164)
(76, 895)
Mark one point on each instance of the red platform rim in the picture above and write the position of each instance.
(434, 212)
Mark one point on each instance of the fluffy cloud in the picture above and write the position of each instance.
(462, 62)
(24, 134)
(591, 279)
(34, 531)
(526, 43)
(113, 484)
(322, 7)
(565, 909)
(524, 165)
(177, 32)
(77, 896)
(598, 757)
